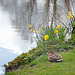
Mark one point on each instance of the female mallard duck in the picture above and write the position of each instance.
(52, 56)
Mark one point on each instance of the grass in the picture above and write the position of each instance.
(41, 66)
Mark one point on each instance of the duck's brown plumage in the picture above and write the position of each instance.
(54, 57)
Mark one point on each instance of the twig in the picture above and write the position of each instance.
(60, 21)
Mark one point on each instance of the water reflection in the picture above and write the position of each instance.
(9, 38)
(11, 42)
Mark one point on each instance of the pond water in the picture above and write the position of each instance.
(11, 42)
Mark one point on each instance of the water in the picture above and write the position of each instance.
(5, 57)
(11, 42)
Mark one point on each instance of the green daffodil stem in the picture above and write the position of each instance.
(44, 47)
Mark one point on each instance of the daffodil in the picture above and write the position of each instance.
(30, 26)
(58, 26)
(69, 13)
(68, 17)
(46, 37)
(40, 29)
(56, 31)
(32, 30)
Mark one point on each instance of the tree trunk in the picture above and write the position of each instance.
(54, 12)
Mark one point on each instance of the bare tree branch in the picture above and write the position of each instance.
(60, 21)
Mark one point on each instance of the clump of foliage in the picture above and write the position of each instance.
(25, 58)
(50, 36)
(55, 35)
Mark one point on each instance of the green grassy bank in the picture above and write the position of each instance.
(41, 66)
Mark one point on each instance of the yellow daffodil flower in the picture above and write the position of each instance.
(58, 26)
(40, 29)
(32, 30)
(56, 31)
(69, 13)
(46, 37)
(68, 17)
(30, 26)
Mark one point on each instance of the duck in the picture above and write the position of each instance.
(54, 57)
